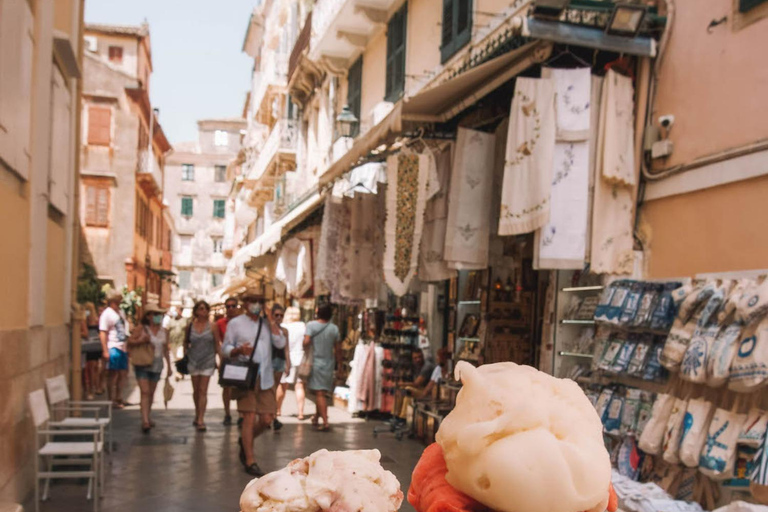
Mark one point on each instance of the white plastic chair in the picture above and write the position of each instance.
(58, 397)
(55, 452)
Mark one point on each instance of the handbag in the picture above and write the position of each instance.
(305, 367)
(182, 365)
(239, 374)
(141, 354)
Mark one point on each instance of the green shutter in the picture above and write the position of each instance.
(746, 5)
(457, 27)
(186, 206)
(396, 39)
(218, 208)
(354, 90)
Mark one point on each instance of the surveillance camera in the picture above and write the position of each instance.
(667, 121)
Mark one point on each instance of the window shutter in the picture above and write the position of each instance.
(746, 5)
(102, 206)
(354, 86)
(99, 126)
(61, 144)
(457, 27)
(396, 41)
(90, 205)
(447, 22)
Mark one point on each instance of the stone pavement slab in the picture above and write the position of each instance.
(177, 469)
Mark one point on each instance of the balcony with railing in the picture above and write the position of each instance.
(277, 156)
(304, 75)
(333, 40)
(148, 170)
(271, 78)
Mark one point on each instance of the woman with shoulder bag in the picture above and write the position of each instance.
(201, 345)
(322, 336)
(147, 347)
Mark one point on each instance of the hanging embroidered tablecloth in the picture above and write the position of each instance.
(432, 265)
(525, 195)
(294, 266)
(561, 243)
(405, 203)
(335, 218)
(614, 203)
(618, 135)
(469, 206)
(360, 256)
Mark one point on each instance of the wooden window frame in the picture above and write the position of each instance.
(355, 93)
(454, 38)
(95, 137)
(92, 218)
(185, 172)
(396, 54)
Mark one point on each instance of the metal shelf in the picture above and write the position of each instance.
(575, 354)
(578, 322)
(469, 302)
(474, 340)
(582, 288)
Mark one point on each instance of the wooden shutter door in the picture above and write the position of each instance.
(447, 28)
(99, 126)
(90, 205)
(102, 206)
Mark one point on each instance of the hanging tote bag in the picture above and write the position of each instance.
(695, 428)
(719, 452)
(241, 374)
(753, 302)
(140, 348)
(749, 367)
(674, 431)
(755, 426)
(653, 434)
(723, 349)
(305, 367)
(758, 484)
(677, 343)
(693, 368)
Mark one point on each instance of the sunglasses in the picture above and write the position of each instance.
(231, 306)
(279, 315)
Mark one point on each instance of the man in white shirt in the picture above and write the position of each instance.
(113, 331)
(256, 406)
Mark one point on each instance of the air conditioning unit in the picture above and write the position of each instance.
(91, 44)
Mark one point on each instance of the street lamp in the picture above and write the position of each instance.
(626, 20)
(346, 120)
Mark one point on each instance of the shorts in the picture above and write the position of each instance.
(143, 372)
(118, 360)
(205, 372)
(291, 377)
(278, 365)
(92, 356)
(260, 401)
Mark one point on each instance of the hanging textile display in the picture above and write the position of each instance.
(614, 201)
(617, 113)
(406, 191)
(469, 205)
(294, 266)
(359, 250)
(432, 265)
(335, 217)
(525, 195)
(561, 244)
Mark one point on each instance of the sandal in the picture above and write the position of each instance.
(146, 428)
(201, 427)
(117, 405)
(324, 428)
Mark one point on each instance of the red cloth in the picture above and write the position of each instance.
(221, 323)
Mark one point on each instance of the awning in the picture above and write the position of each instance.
(590, 37)
(442, 102)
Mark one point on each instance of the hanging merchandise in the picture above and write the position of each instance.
(731, 303)
(653, 434)
(753, 432)
(469, 206)
(753, 302)
(612, 241)
(525, 195)
(749, 367)
(674, 431)
(758, 484)
(335, 217)
(360, 256)
(561, 243)
(432, 265)
(718, 455)
(695, 425)
(685, 324)
(406, 199)
(294, 266)
(694, 365)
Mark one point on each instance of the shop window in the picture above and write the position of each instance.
(116, 54)
(97, 205)
(456, 27)
(220, 173)
(354, 87)
(218, 208)
(99, 126)
(220, 138)
(187, 172)
(396, 37)
(187, 206)
(185, 278)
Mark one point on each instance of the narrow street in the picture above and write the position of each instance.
(176, 469)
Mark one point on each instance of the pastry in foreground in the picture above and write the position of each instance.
(518, 440)
(348, 481)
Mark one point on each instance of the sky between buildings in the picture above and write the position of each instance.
(199, 69)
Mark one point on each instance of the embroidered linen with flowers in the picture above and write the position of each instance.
(525, 194)
(359, 250)
(335, 218)
(407, 176)
(467, 233)
(432, 265)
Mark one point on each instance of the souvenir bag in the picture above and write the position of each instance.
(758, 484)
(695, 427)
(749, 367)
(603, 401)
(618, 299)
(653, 369)
(676, 344)
(696, 300)
(694, 365)
(718, 454)
(753, 432)
(665, 308)
(674, 431)
(305, 367)
(631, 303)
(653, 434)
(140, 349)
(631, 410)
(728, 310)
(723, 349)
(753, 302)
(612, 421)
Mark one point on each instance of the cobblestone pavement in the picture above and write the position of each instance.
(175, 468)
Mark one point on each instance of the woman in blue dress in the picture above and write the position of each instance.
(323, 335)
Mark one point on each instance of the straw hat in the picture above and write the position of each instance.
(153, 308)
(114, 295)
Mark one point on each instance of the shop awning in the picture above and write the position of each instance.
(590, 37)
(441, 103)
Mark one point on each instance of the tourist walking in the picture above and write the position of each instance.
(296, 329)
(150, 331)
(201, 345)
(113, 331)
(281, 359)
(232, 308)
(322, 335)
(92, 351)
(254, 331)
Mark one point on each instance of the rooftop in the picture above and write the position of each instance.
(126, 30)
